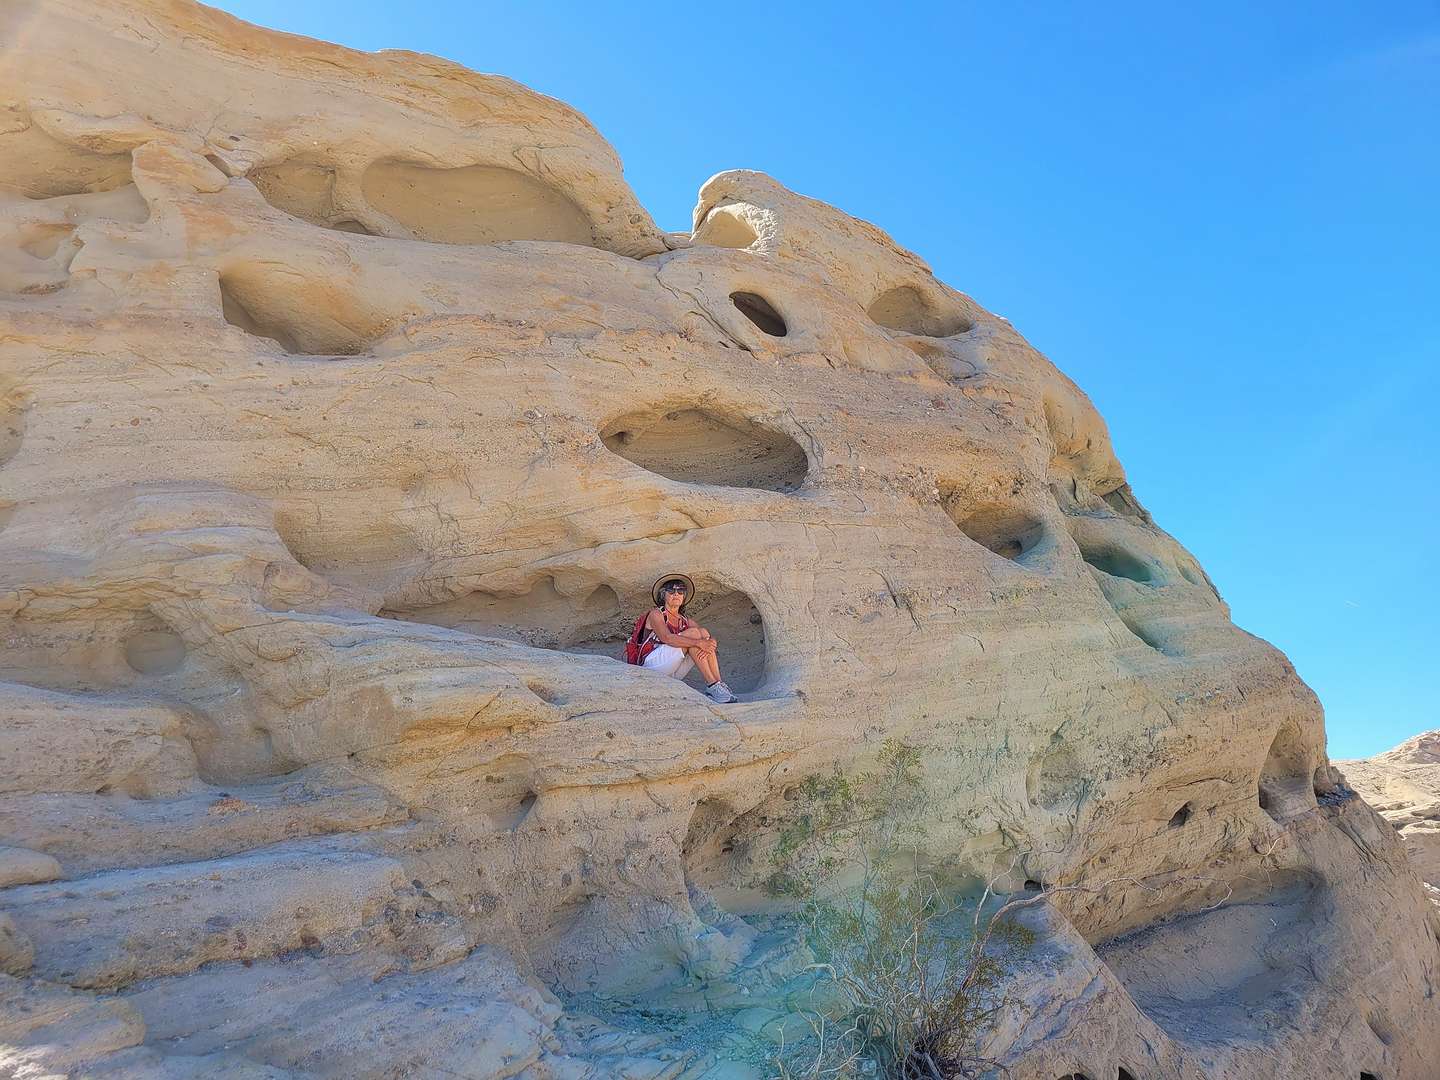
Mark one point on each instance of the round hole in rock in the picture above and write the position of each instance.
(1123, 1073)
(1180, 817)
(301, 188)
(1369, 1076)
(1116, 562)
(907, 309)
(155, 652)
(473, 204)
(1031, 885)
(697, 446)
(1005, 530)
(758, 310)
(724, 227)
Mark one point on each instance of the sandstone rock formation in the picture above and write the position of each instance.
(1404, 785)
(349, 406)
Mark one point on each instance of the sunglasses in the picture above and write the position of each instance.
(675, 589)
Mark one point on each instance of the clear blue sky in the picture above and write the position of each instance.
(1221, 220)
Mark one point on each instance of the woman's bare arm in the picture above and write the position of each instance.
(686, 639)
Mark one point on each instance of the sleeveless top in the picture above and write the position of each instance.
(651, 640)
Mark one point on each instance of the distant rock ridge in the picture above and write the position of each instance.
(350, 406)
(1404, 785)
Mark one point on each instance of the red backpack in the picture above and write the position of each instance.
(642, 642)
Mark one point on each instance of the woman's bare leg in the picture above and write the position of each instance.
(708, 663)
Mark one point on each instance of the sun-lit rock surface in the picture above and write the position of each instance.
(349, 406)
(1404, 785)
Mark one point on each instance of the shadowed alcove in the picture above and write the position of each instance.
(907, 309)
(1008, 531)
(594, 622)
(700, 446)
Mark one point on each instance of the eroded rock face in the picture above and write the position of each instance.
(1404, 785)
(349, 406)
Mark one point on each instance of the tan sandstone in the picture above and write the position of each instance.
(1404, 785)
(349, 406)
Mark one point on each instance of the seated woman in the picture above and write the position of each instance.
(679, 644)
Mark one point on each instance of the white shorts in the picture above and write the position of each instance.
(668, 660)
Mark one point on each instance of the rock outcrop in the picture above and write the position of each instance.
(349, 407)
(1404, 785)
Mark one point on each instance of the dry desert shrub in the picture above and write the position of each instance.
(909, 970)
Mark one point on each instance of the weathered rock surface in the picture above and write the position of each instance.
(349, 406)
(1404, 785)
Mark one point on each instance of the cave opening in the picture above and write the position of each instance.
(1116, 562)
(1010, 532)
(760, 312)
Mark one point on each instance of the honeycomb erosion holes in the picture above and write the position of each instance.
(306, 190)
(1287, 779)
(541, 617)
(724, 227)
(760, 312)
(305, 315)
(39, 166)
(469, 204)
(699, 446)
(198, 715)
(1115, 561)
(905, 308)
(473, 204)
(1008, 531)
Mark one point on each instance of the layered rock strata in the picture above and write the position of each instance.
(349, 406)
(1404, 785)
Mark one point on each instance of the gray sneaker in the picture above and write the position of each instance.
(721, 693)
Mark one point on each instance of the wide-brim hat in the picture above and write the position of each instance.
(683, 578)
